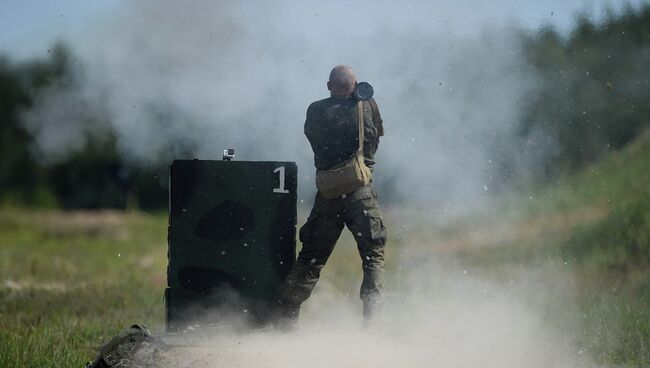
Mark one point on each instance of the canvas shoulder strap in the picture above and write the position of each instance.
(361, 123)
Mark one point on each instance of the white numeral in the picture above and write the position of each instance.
(281, 189)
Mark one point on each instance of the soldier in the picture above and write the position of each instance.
(332, 130)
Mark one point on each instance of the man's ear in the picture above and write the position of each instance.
(329, 86)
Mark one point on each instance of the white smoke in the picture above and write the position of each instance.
(177, 79)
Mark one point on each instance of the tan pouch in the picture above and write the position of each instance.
(348, 176)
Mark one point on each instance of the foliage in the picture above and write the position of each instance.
(619, 241)
(20, 174)
(595, 87)
(95, 177)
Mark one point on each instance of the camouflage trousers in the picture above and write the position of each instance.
(359, 211)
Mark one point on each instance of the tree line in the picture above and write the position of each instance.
(594, 97)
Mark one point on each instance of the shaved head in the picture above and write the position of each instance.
(342, 81)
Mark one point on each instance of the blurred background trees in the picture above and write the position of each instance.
(594, 97)
(596, 87)
(95, 177)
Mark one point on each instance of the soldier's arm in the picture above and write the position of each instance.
(311, 126)
(376, 117)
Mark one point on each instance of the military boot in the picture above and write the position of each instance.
(372, 308)
(285, 316)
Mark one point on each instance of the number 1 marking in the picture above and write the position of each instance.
(281, 189)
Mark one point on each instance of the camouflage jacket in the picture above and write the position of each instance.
(332, 130)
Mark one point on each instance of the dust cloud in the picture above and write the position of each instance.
(438, 317)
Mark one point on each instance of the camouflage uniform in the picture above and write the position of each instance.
(332, 129)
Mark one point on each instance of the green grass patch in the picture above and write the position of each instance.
(70, 281)
(595, 226)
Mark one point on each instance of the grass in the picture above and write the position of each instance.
(596, 224)
(71, 280)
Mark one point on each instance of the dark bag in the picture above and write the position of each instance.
(119, 351)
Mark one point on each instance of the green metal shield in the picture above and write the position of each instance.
(232, 230)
